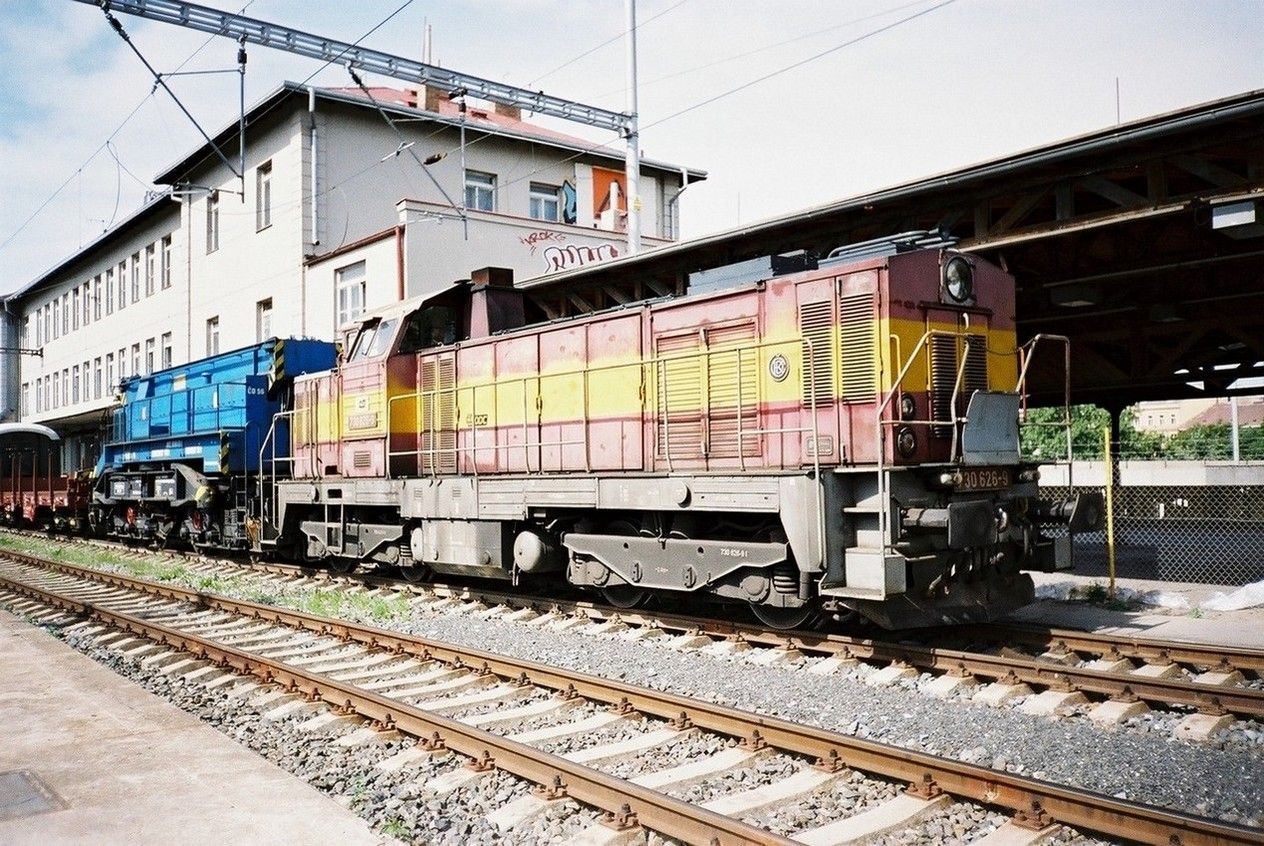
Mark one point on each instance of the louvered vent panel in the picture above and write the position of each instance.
(859, 370)
(943, 378)
(943, 367)
(732, 391)
(438, 414)
(679, 396)
(816, 323)
(976, 372)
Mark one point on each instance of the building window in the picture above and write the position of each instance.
(350, 281)
(65, 313)
(122, 285)
(149, 270)
(212, 221)
(96, 297)
(263, 195)
(25, 340)
(135, 277)
(56, 318)
(87, 303)
(545, 204)
(135, 359)
(263, 319)
(109, 371)
(24, 407)
(74, 308)
(109, 291)
(166, 261)
(166, 350)
(149, 356)
(480, 190)
(212, 336)
(96, 378)
(74, 391)
(56, 390)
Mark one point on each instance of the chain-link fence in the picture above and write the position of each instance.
(1179, 521)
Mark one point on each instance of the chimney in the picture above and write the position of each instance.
(495, 305)
(511, 112)
(433, 98)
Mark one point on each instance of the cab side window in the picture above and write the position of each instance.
(428, 327)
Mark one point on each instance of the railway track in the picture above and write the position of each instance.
(426, 688)
(1056, 669)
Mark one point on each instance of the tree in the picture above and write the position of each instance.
(1044, 436)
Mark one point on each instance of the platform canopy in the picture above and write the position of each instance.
(8, 430)
(1143, 242)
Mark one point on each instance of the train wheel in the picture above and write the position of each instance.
(415, 573)
(784, 619)
(625, 596)
(341, 564)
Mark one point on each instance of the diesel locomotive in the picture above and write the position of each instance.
(837, 440)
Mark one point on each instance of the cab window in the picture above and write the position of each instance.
(374, 340)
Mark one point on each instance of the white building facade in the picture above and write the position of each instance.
(336, 214)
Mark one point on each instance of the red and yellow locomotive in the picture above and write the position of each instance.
(838, 440)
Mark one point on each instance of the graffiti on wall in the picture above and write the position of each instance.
(538, 237)
(570, 256)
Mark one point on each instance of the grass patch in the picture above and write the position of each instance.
(395, 827)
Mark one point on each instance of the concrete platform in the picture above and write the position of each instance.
(127, 767)
(1238, 628)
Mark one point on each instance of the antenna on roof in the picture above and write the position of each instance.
(427, 48)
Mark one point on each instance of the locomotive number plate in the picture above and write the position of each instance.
(985, 479)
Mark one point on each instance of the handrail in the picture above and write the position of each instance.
(1026, 353)
(656, 364)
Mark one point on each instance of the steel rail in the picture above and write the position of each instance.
(1031, 799)
(1150, 650)
(1207, 698)
(652, 809)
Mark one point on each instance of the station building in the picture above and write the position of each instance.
(340, 210)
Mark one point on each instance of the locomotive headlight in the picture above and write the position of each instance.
(1032, 475)
(908, 407)
(906, 442)
(959, 279)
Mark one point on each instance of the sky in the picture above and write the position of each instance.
(847, 108)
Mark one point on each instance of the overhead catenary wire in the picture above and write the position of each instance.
(787, 68)
(96, 152)
(159, 81)
(407, 146)
(610, 40)
(743, 86)
(744, 54)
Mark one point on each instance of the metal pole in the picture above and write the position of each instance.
(1110, 510)
(465, 218)
(1233, 428)
(241, 121)
(632, 159)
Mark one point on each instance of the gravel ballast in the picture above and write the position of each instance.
(1138, 761)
